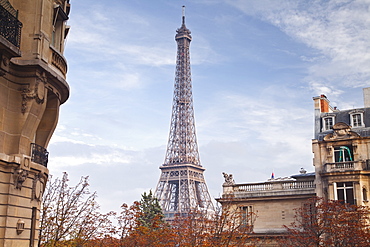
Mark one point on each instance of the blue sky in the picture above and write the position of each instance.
(255, 67)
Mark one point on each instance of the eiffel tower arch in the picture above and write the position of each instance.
(182, 187)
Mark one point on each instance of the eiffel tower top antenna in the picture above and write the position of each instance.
(183, 15)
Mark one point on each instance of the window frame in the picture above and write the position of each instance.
(325, 126)
(346, 190)
(246, 215)
(353, 121)
(59, 31)
(345, 155)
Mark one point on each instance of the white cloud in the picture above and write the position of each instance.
(256, 132)
(109, 34)
(339, 30)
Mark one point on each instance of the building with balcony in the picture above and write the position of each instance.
(341, 148)
(32, 88)
(268, 206)
(341, 151)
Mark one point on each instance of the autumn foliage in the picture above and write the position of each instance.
(70, 217)
(222, 228)
(329, 223)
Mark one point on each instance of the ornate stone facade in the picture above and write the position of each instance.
(341, 152)
(32, 88)
(272, 202)
(341, 147)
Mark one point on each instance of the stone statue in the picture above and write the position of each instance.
(20, 177)
(228, 179)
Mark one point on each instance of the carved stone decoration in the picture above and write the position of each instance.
(4, 64)
(37, 187)
(228, 179)
(39, 90)
(38, 93)
(302, 171)
(25, 92)
(20, 176)
(341, 131)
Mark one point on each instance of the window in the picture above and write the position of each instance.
(310, 212)
(356, 120)
(344, 192)
(343, 154)
(59, 31)
(327, 123)
(246, 216)
(364, 194)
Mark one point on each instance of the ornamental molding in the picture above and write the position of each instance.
(341, 131)
(37, 93)
(37, 187)
(356, 111)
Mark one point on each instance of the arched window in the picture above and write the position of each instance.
(364, 194)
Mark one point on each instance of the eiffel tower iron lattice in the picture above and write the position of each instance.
(182, 187)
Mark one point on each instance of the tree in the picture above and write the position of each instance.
(150, 211)
(322, 222)
(70, 219)
(69, 215)
(143, 223)
(225, 227)
(196, 228)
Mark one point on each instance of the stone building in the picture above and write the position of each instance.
(267, 206)
(341, 148)
(32, 88)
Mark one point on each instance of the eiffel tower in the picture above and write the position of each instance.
(182, 187)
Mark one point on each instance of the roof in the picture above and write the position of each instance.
(308, 174)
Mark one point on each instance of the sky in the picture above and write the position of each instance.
(256, 65)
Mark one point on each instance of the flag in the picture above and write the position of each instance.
(272, 175)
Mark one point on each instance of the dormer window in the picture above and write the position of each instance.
(357, 119)
(327, 123)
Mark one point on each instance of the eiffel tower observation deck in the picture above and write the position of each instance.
(182, 187)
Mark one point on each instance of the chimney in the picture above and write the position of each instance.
(324, 103)
(366, 92)
(321, 104)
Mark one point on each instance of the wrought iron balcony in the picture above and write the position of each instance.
(39, 154)
(347, 166)
(10, 26)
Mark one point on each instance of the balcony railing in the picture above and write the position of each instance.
(285, 187)
(289, 185)
(10, 27)
(58, 61)
(347, 166)
(39, 154)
